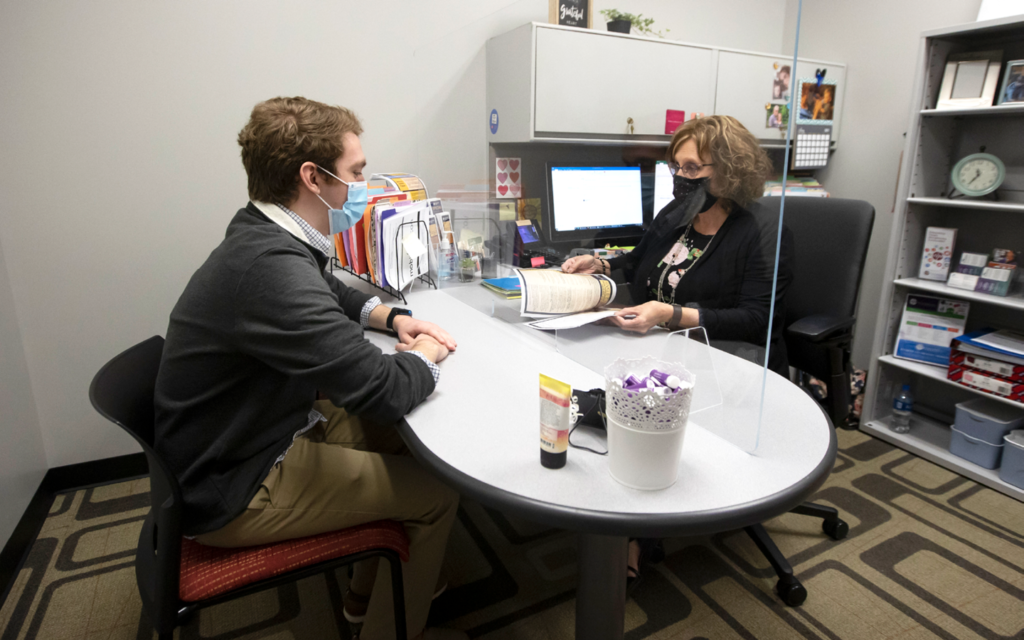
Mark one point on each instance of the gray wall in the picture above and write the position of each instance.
(878, 40)
(22, 458)
(118, 163)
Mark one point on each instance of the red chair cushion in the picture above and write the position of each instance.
(210, 571)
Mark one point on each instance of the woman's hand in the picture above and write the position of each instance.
(645, 316)
(583, 264)
(409, 328)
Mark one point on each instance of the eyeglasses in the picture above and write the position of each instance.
(689, 170)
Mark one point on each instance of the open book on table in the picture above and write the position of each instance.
(564, 300)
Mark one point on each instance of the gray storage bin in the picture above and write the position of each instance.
(987, 420)
(974, 450)
(1012, 471)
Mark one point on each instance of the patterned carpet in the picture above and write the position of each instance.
(930, 555)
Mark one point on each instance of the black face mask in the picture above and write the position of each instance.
(684, 189)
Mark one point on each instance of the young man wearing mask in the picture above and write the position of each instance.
(260, 329)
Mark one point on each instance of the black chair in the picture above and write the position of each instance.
(830, 242)
(175, 575)
(830, 239)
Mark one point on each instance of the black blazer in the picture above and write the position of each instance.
(731, 284)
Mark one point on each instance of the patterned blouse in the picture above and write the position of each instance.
(683, 254)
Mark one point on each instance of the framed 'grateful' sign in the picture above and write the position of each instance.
(571, 13)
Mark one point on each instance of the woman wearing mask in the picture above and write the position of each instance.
(706, 260)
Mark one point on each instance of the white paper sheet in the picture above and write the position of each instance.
(571, 321)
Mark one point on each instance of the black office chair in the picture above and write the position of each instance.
(177, 576)
(830, 238)
(830, 241)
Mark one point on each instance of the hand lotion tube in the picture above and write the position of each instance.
(554, 422)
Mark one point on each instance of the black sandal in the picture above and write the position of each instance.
(651, 552)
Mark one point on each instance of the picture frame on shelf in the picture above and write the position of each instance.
(1012, 90)
(970, 80)
(571, 13)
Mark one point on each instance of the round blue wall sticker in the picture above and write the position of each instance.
(494, 121)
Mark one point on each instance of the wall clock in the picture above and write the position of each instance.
(978, 174)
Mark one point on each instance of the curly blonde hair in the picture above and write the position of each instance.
(282, 134)
(741, 165)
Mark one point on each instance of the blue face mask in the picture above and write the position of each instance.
(352, 211)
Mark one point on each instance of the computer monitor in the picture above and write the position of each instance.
(662, 187)
(588, 202)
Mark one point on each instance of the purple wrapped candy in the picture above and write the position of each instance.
(667, 379)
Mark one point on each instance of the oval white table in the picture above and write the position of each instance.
(479, 431)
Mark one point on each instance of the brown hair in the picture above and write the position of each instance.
(283, 133)
(741, 165)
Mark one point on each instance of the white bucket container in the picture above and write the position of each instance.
(646, 426)
(643, 459)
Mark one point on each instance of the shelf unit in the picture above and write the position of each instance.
(936, 140)
(998, 110)
(929, 439)
(940, 288)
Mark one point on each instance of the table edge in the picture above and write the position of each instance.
(627, 524)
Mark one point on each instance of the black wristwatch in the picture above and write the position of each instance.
(397, 311)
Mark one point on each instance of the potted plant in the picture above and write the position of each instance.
(467, 269)
(620, 22)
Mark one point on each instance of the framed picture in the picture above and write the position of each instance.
(970, 80)
(1013, 83)
(815, 101)
(571, 13)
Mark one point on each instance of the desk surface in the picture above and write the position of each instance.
(479, 430)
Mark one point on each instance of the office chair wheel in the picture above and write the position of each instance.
(792, 592)
(836, 529)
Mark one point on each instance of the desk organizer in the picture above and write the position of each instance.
(645, 429)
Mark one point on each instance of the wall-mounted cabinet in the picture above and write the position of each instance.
(550, 83)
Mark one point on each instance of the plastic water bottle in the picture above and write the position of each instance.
(902, 405)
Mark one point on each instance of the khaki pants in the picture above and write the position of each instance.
(347, 472)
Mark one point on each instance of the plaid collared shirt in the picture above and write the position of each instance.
(321, 243)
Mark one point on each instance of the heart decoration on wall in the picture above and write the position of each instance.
(508, 184)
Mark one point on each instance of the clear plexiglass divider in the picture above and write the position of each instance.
(726, 401)
(475, 264)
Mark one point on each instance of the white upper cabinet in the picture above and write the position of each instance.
(745, 88)
(550, 83)
(595, 85)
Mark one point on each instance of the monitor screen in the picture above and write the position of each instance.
(662, 187)
(591, 199)
(527, 232)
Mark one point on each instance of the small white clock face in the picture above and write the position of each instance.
(979, 174)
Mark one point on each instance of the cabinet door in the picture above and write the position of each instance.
(745, 89)
(591, 84)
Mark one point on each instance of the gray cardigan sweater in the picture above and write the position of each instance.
(259, 329)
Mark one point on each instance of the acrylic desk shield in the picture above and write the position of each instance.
(726, 401)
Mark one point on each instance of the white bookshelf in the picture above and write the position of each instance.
(965, 203)
(993, 111)
(929, 439)
(938, 373)
(941, 288)
(936, 141)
